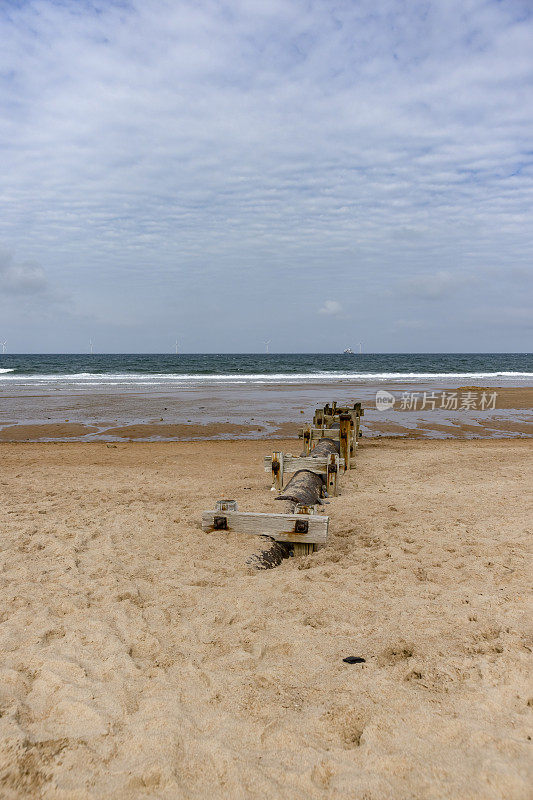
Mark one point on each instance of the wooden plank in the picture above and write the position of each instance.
(321, 433)
(327, 420)
(310, 433)
(280, 527)
(294, 463)
(333, 411)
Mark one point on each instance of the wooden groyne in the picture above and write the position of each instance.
(329, 447)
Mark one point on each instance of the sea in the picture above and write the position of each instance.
(187, 396)
(126, 371)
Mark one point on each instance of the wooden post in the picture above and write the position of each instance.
(358, 412)
(303, 549)
(316, 461)
(318, 419)
(332, 474)
(345, 437)
(307, 439)
(277, 470)
(226, 505)
(353, 440)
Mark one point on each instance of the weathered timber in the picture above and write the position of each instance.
(299, 528)
(334, 409)
(304, 488)
(345, 437)
(332, 473)
(299, 548)
(226, 505)
(291, 464)
(277, 466)
(306, 433)
(326, 417)
(310, 435)
(318, 418)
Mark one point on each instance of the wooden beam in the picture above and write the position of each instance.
(335, 409)
(294, 528)
(294, 463)
(322, 419)
(309, 434)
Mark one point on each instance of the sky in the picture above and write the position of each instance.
(307, 172)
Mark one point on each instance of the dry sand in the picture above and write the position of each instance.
(141, 658)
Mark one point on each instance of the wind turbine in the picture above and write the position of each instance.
(4, 345)
(360, 348)
(267, 345)
(176, 346)
(91, 346)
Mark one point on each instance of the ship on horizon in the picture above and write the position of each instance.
(348, 351)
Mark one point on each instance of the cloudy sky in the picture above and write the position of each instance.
(314, 172)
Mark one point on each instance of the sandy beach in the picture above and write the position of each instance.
(257, 243)
(143, 658)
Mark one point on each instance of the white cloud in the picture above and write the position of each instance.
(156, 155)
(20, 278)
(437, 285)
(332, 307)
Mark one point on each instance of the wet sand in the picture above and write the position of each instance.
(142, 657)
(271, 412)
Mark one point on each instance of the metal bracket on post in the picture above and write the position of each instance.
(302, 526)
(318, 419)
(220, 521)
(332, 474)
